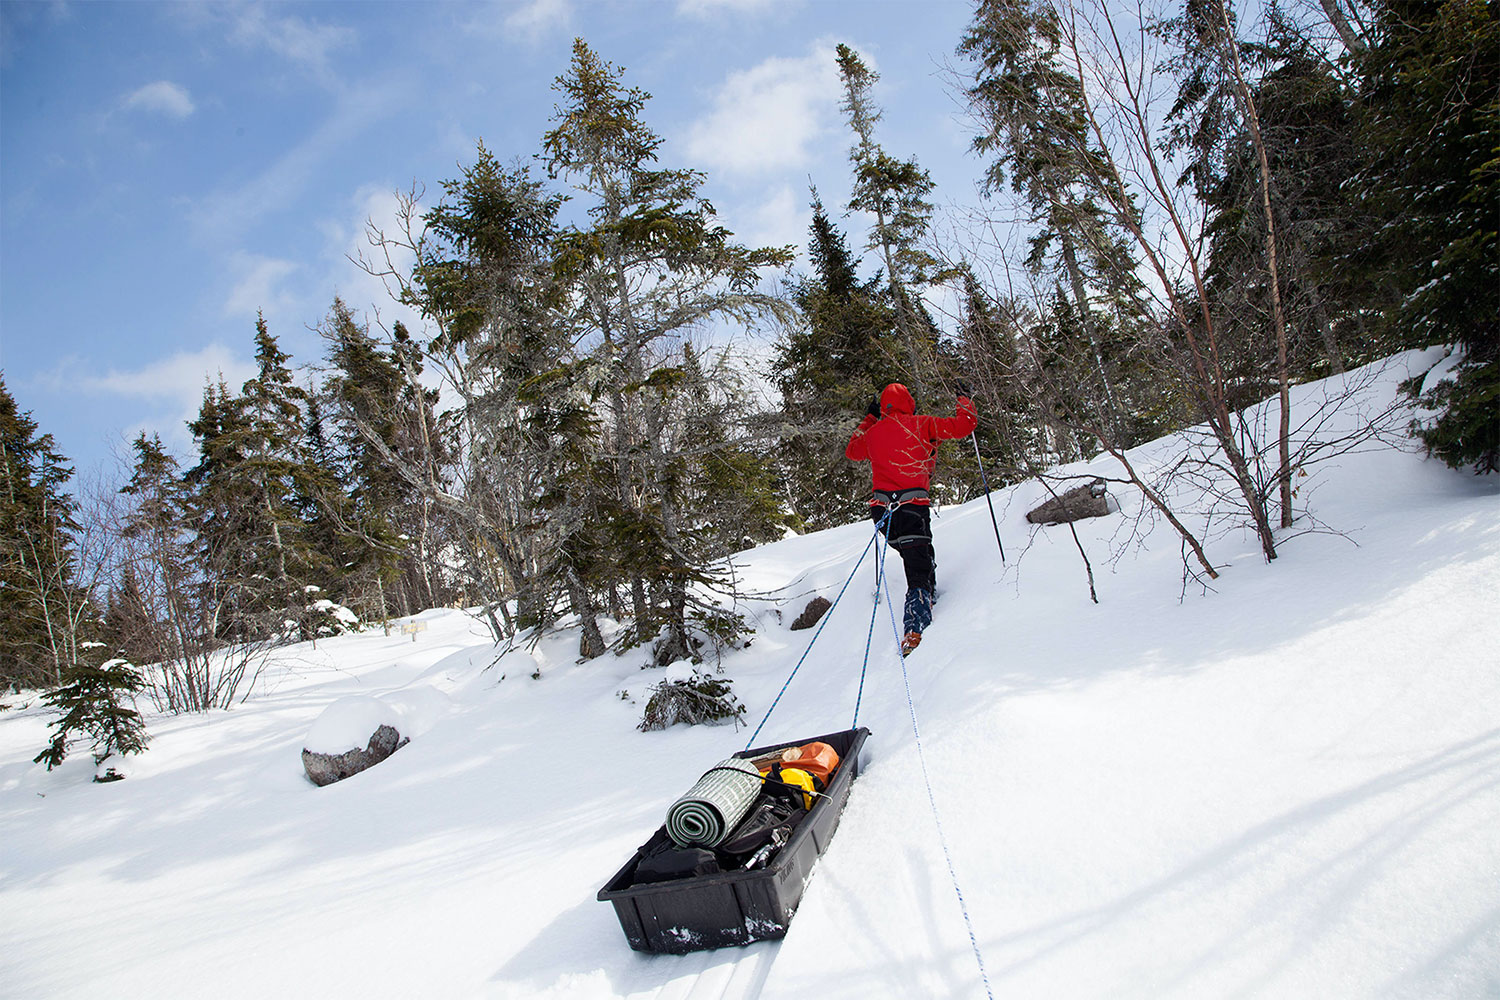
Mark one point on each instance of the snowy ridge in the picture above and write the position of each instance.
(1286, 786)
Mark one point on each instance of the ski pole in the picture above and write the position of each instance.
(974, 437)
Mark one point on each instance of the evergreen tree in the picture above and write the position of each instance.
(1030, 105)
(96, 703)
(368, 506)
(42, 608)
(728, 486)
(486, 276)
(1009, 437)
(895, 192)
(827, 368)
(1111, 156)
(278, 471)
(1306, 128)
(650, 265)
(220, 522)
(250, 489)
(1427, 122)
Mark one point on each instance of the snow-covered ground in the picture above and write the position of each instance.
(1283, 787)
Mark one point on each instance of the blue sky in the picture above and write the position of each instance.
(168, 169)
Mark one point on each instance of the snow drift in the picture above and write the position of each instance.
(1282, 786)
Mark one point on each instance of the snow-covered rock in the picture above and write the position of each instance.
(351, 735)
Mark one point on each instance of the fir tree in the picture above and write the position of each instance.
(96, 703)
(827, 368)
(650, 264)
(895, 192)
(42, 608)
(1427, 122)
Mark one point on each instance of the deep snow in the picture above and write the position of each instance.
(1283, 787)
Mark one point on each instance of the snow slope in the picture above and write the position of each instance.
(1282, 787)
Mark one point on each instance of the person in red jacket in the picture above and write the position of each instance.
(901, 446)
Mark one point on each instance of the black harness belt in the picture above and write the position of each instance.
(888, 498)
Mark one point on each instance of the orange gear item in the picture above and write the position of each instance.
(818, 759)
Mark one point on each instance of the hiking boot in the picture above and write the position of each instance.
(910, 642)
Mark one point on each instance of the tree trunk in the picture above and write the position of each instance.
(1283, 377)
(591, 643)
(1086, 318)
(1340, 22)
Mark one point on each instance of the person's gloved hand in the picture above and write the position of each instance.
(874, 409)
(961, 388)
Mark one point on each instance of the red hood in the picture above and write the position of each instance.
(897, 399)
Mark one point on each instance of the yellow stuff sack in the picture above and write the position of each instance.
(803, 780)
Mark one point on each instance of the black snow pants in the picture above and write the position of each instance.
(909, 532)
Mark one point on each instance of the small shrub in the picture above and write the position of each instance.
(94, 702)
(696, 700)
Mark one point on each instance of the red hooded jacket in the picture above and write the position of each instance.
(901, 445)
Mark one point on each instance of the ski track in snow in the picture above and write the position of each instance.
(725, 974)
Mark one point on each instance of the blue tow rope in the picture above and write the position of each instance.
(882, 589)
(824, 621)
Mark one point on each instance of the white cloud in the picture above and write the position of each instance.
(768, 117)
(538, 16)
(161, 97)
(257, 283)
(169, 390)
(707, 8)
(291, 37)
(780, 220)
(178, 378)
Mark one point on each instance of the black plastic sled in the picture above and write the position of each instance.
(735, 907)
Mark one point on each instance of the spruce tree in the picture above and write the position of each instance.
(895, 192)
(1009, 438)
(250, 486)
(42, 607)
(650, 264)
(1030, 106)
(278, 470)
(363, 501)
(1428, 115)
(486, 276)
(220, 518)
(96, 702)
(828, 366)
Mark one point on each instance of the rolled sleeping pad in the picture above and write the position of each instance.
(715, 805)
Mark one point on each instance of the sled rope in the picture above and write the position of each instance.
(932, 801)
(880, 556)
(819, 631)
(881, 588)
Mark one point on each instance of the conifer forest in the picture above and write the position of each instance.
(609, 393)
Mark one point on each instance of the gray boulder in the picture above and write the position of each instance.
(326, 768)
(816, 609)
(1089, 500)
